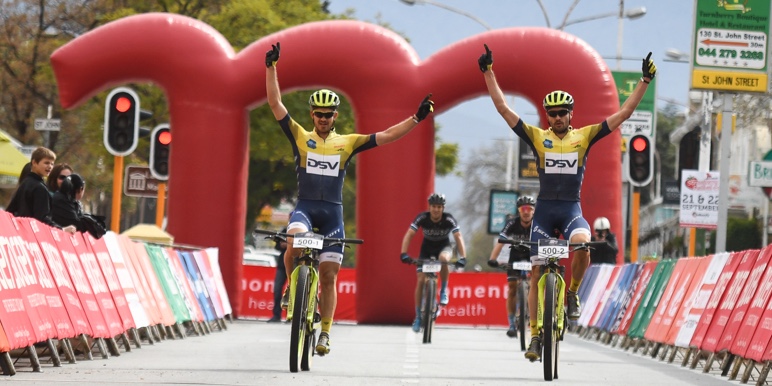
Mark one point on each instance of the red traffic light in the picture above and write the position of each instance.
(123, 104)
(639, 144)
(164, 138)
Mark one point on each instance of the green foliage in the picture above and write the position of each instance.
(741, 234)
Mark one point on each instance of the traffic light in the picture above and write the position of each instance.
(641, 160)
(160, 140)
(121, 129)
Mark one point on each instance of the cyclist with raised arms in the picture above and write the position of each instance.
(437, 226)
(560, 183)
(321, 158)
(517, 228)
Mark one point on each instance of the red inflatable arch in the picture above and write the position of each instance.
(210, 90)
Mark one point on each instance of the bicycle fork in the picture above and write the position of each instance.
(560, 285)
(313, 295)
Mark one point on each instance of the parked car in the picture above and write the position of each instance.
(265, 257)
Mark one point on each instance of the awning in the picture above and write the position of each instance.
(11, 159)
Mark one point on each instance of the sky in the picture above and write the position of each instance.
(666, 25)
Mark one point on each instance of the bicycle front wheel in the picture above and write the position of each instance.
(550, 334)
(522, 314)
(298, 330)
(430, 299)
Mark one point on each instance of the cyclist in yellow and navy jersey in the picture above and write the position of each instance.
(561, 152)
(321, 158)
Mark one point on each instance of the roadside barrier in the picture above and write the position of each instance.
(76, 295)
(711, 313)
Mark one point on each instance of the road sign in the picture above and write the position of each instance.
(644, 117)
(730, 48)
(502, 203)
(139, 182)
(760, 173)
(48, 124)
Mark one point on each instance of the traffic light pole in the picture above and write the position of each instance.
(160, 205)
(115, 215)
(636, 206)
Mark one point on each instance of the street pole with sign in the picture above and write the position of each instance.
(729, 55)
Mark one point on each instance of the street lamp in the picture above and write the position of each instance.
(449, 8)
(676, 55)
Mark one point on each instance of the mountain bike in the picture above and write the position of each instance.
(521, 304)
(551, 314)
(303, 306)
(429, 303)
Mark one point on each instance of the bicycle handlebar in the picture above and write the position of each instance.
(526, 244)
(327, 240)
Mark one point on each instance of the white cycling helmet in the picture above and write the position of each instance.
(601, 224)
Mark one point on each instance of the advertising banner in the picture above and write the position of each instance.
(168, 284)
(753, 336)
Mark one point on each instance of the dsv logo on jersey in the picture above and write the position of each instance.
(561, 163)
(323, 165)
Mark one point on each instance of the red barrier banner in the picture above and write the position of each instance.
(753, 336)
(676, 314)
(729, 300)
(696, 305)
(138, 313)
(709, 309)
(214, 264)
(53, 299)
(13, 310)
(205, 267)
(603, 300)
(185, 284)
(105, 263)
(142, 260)
(476, 299)
(98, 284)
(146, 297)
(45, 237)
(596, 292)
(91, 306)
(656, 318)
(740, 309)
(635, 300)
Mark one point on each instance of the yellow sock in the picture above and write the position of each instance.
(574, 285)
(326, 324)
(534, 329)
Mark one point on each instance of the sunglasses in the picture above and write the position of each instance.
(526, 209)
(61, 177)
(320, 114)
(558, 113)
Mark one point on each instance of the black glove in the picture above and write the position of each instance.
(272, 56)
(426, 107)
(486, 60)
(405, 258)
(649, 69)
(493, 263)
(461, 263)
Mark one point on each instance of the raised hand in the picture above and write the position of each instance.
(486, 60)
(272, 55)
(426, 107)
(649, 69)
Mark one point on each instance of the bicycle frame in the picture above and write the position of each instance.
(560, 284)
(310, 259)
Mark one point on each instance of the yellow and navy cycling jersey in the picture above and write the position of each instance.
(321, 163)
(560, 162)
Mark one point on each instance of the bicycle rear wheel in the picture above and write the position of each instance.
(522, 314)
(298, 330)
(550, 336)
(430, 299)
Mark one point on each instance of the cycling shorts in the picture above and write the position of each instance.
(565, 216)
(327, 218)
(433, 252)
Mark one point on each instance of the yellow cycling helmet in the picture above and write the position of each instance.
(559, 98)
(324, 98)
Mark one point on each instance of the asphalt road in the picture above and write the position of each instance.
(256, 353)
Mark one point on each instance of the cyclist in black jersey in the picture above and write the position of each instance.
(517, 228)
(437, 226)
(561, 152)
(321, 158)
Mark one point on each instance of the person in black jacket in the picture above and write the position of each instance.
(67, 209)
(604, 253)
(32, 199)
